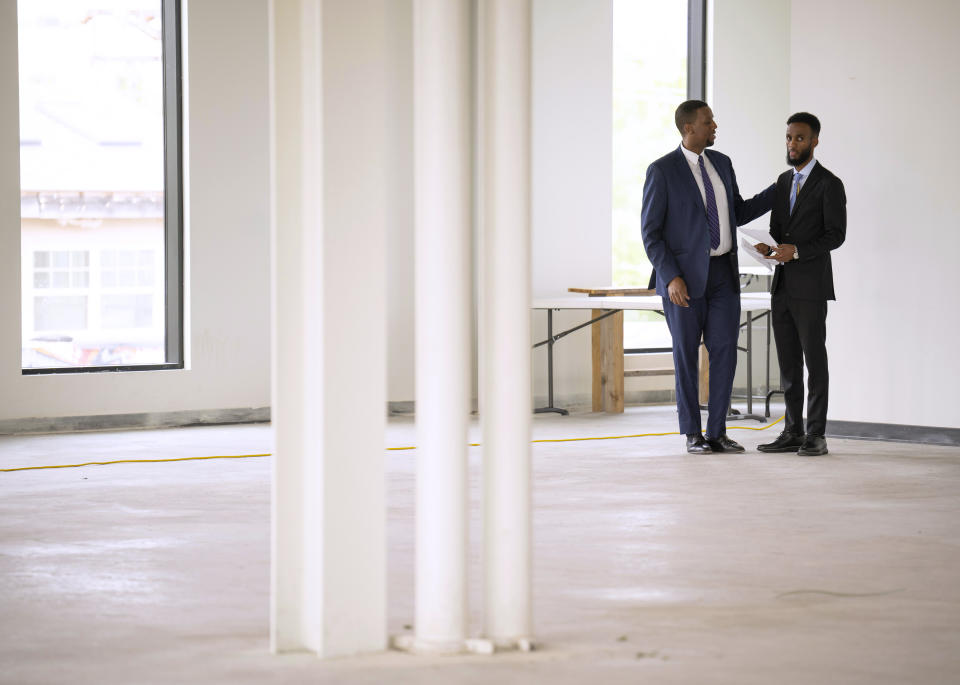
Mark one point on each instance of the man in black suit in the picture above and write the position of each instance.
(808, 220)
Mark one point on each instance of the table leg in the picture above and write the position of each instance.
(607, 342)
(767, 386)
(749, 362)
(704, 376)
(550, 358)
(550, 342)
(734, 414)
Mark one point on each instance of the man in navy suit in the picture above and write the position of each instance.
(691, 210)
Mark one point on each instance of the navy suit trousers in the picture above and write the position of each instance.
(714, 318)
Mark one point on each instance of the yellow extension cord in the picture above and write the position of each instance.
(391, 449)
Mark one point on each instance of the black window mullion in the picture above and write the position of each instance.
(173, 182)
(696, 49)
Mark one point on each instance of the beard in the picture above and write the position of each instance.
(801, 158)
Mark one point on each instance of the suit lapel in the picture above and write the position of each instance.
(780, 216)
(814, 179)
(683, 168)
(783, 192)
(721, 170)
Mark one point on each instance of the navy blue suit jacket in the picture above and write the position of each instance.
(674, 225)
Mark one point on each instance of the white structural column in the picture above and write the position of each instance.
(328, 571)
(443, 241)
(505, 319)
(296, 226)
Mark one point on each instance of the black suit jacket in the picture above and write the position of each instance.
(818, 224)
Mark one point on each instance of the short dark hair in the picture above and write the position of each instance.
(687, 113)
(808, 119)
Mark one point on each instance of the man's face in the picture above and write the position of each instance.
(800, 144)
(703, 131)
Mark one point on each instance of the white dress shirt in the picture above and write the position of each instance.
(719, 192)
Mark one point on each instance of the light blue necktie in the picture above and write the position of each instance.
(797, 177)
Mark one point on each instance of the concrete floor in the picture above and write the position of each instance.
(650, 565)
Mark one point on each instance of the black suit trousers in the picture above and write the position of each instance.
(800, 330)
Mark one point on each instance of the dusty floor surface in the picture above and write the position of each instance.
(651, 565)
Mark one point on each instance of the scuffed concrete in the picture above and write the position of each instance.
(650, 565)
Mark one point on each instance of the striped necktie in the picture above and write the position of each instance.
(713, 216)
(797, 177)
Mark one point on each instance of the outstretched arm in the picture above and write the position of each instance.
(758, 205)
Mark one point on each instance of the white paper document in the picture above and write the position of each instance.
(748, 248)
(758, 235)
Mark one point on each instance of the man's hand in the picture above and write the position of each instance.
(677, 290)
(763, 249)
(784, 253)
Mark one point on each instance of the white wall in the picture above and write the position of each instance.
(572, 174)
(228, 284)
(748, 89)
(877, 73)
(882, 77)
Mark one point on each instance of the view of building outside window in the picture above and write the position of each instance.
(92, 181)
(649, 81)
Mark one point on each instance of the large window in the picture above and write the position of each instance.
(655, 42)
(101, 256)
(649, 80)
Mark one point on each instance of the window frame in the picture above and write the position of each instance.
(173, 207)
(696, 49)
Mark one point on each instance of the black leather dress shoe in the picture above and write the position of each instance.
(697, 445)
(787, 442)
(724, 444)
(813, 446)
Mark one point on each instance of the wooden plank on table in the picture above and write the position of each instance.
(612, 291)
(641, 373)
(607, 339)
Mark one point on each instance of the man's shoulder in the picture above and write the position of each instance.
(827, 177)
(716, 156)
(827, 173)
(667, 159)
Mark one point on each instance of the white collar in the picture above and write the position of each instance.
(692, 157)
(807, 169)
